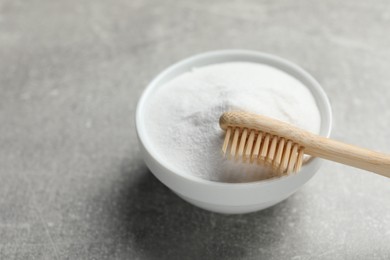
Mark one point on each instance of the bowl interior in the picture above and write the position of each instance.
(231, 56)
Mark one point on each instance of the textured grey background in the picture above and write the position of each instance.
(72, 183)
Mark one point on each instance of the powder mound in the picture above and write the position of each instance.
(183, 115)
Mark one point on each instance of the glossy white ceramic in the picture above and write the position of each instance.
(230, 198)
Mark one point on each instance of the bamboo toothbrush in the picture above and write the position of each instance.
(259, 139)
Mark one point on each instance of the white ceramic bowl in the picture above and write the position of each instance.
(220, 197)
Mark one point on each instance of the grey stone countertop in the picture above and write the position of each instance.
(72, 182)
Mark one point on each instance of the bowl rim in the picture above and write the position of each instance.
(154, 83)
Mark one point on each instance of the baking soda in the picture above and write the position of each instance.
(182, 118)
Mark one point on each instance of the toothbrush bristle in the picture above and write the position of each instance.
(253, 146)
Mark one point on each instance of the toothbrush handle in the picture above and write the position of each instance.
(358, 157)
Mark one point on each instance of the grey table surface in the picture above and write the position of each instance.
(72, 182)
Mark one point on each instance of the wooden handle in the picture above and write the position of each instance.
(348, 154)
(315, 145)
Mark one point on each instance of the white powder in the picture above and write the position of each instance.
(182, 115)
